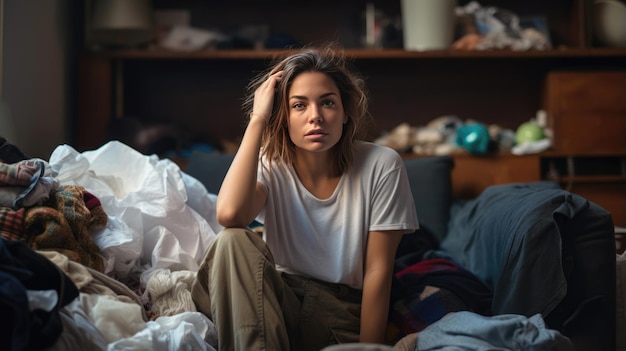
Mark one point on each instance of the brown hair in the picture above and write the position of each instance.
(331, 61)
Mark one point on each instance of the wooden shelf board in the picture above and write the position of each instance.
(580, 155)
(363, 54)
(593, 179)
(550, 154)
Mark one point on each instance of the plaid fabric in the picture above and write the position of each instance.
(97, 217)
(49, 230)
(457, 290)
(428, 267)
(12, 224)
(65, 225)
(19, 173)
(444, 274)
(412, 314)
(83, 211)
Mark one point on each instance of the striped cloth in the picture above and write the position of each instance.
(12, 224)
(19, 173)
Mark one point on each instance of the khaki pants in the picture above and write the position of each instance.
(256, 307)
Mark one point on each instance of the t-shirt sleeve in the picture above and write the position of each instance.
(393, 207)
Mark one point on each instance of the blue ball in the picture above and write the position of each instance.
(474, 138)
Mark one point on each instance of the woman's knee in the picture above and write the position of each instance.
(231, 237)
(227, 235)
(238, 240)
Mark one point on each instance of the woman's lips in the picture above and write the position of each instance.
(315, 134)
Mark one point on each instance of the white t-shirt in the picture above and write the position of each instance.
(326, 238)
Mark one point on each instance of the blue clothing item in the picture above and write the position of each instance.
(34, 180)
(464, 331)
(516, 246)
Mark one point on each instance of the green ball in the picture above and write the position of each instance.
(529, 131)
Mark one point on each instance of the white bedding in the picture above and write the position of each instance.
(161, 221)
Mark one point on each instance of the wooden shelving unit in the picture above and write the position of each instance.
(201, 91)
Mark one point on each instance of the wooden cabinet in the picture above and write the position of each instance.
(201, 92)
(587, 111)
(472, 174)
(587, 116)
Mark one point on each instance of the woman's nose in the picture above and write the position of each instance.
(316, 115)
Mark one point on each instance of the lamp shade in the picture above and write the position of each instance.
(120, 24)
(122, 14)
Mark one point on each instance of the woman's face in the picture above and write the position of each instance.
(316, 115)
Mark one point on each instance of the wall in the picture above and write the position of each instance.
(41, 39)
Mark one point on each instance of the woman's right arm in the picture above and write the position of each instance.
(241, 198)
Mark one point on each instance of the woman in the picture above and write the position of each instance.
(334, 210)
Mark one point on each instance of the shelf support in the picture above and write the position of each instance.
(119, 88)
(571, 171)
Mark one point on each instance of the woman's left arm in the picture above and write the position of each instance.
(379, 260)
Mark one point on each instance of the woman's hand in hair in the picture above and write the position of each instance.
(264, 97)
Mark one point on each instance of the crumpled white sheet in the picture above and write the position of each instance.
(159, 217)
(115, 319)
(184, 331)
(170, 332)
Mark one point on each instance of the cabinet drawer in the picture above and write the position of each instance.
(587, 111)
(473, 174)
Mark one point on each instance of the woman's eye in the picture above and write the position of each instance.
(328, 103)
(298, 105)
